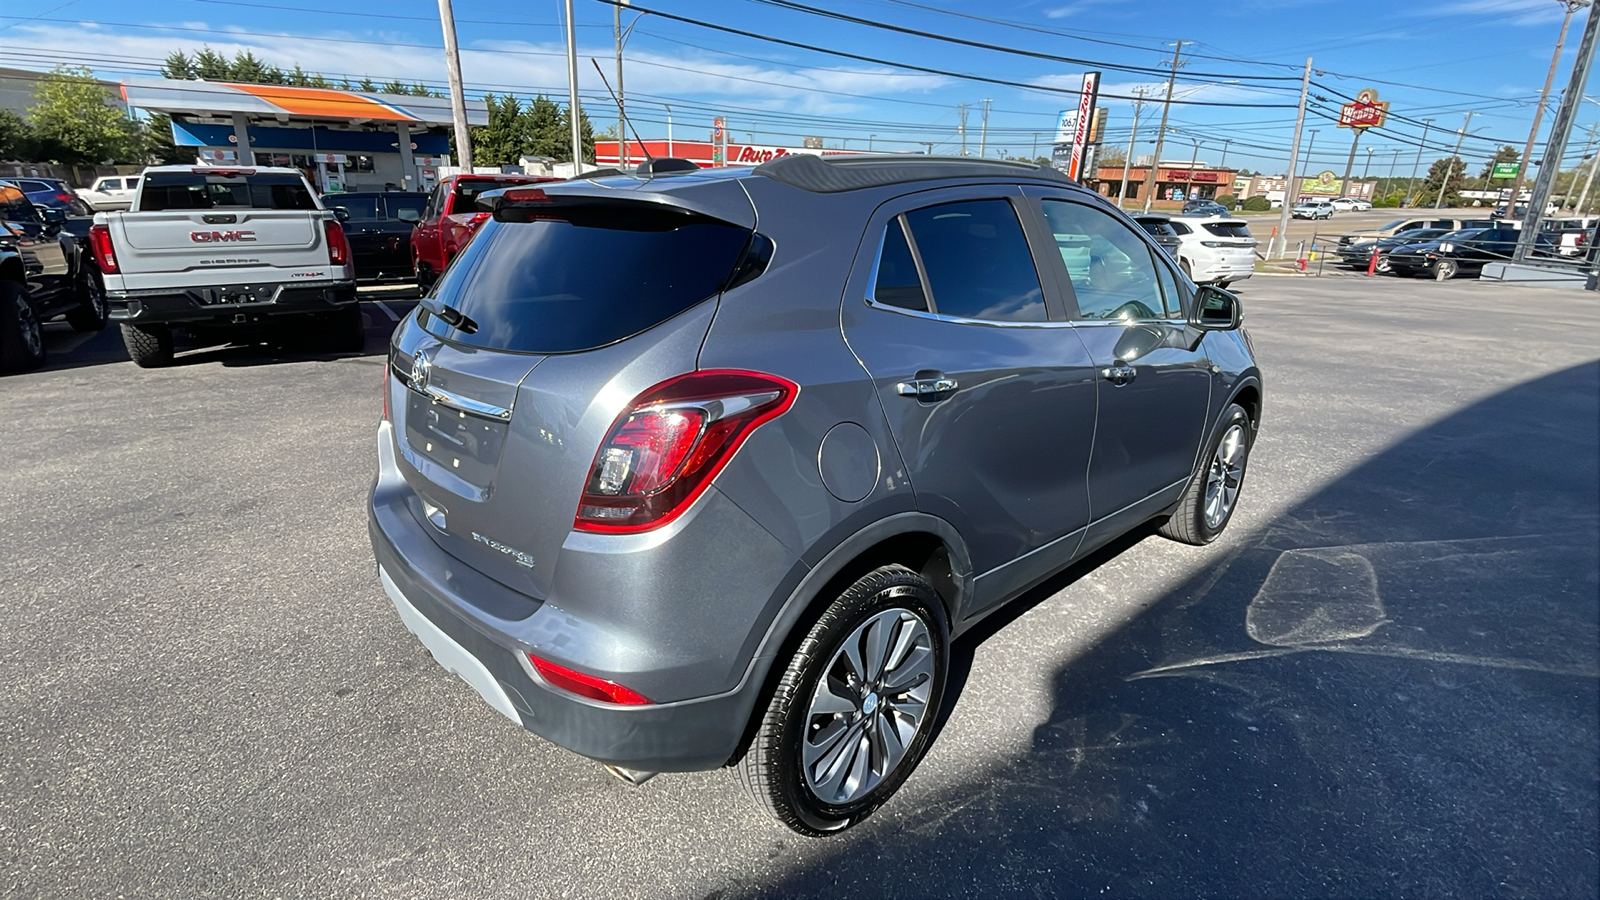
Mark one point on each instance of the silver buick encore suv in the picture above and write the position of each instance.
(692, 469)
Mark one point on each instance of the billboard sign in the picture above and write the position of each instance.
(1080, 127)
(1367, 111)
(1325, 184)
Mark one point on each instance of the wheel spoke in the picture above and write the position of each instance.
(828, 701)
(876, 642)
(917, 664)
(825, 761)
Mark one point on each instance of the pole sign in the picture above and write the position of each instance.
(719, 141)
(1367, 111)
(1081, 128)
(1505, 170)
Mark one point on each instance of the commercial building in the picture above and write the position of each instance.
(1175, 181)
(703, 153)
(342, 140)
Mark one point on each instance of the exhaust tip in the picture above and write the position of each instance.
(631, 776)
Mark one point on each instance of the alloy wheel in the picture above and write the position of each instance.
(867, 707)
(1224, 476)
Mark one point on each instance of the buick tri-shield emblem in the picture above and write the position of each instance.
(421, 368)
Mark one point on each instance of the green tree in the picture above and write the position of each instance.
(154, 144)
(247, 68)
(503, 140)
(546, 132)
(393, 86)
(367, 85)
(211, 65)
(76, 121)
(179, 66)
(17, 140)
(1450, 173)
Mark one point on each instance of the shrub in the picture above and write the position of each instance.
(1257, 203)
(1227, 200)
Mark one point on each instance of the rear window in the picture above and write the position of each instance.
(467, 192)
(406, 209)
(357, 205)
(1228, 229)
(206, 190)
(585, 277)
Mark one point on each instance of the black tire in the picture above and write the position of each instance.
(773, 771)
(1191, 522)
(90, 313)
(1446, 269)
(348, 330)
(149, 346)
(1187, 272)
(21, 337)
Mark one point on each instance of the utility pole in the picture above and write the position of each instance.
(1035, 147)
(1412, 183)
(983, 137)
(929, 145)
(962, 128)
(1294, 162)
(1161, 133)
(573, 112)
(1224, 163)
(1588, 150)
(458, 100)
(1350, 164)
(1583, 197)
(1571, 6)
(1450, 166)
(1560, 133)
(1188, 189)
(622, 116)
(1368, 167)
(1127, 162)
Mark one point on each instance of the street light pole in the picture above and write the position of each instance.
(574, 113)
(1571, 7)
(1188, 189)
(1224, 163)
(1127, 161)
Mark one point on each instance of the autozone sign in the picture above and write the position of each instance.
(741, 155)
(217, 237)
(1366, 112)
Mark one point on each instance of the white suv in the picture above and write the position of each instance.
(1215, 250)
(1312, 209)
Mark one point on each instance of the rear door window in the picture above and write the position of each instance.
(898, 283)
(582, 277)
(208, 190)
(977, 261)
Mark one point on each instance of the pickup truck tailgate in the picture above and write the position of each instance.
(257, 245)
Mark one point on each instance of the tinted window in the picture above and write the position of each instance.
(205, 190)
(898, 283)
(1113, 274)
(14, 206)
(358, 206)
(405, 207)
(977, 261)
(1170, 291)
(1228, 229)
(111, 184)
(584, 278)
(467, 193)
(33, 187)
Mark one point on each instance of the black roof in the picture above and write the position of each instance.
(834, 174)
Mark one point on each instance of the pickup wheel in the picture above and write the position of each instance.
(348, 330)
(21, 339)
(149, 346)
(90, 313)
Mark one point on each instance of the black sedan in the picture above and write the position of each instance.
(378, 225)
(1359, 255)
(1463, 252)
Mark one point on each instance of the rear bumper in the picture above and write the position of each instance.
(447, 604)
(1212, 267)
(229, 304)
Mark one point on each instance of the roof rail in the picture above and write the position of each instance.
(834, 174)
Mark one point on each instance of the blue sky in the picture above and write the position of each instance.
(1432, 61)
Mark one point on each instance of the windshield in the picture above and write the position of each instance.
(208, 190)
(1395, 224)
(582, 277)
(1465, 234)
(359, 206)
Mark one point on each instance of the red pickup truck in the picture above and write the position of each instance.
(451, 218)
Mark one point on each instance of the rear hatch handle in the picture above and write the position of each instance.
(418, 379)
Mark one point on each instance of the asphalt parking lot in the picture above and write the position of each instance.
(1381, 681)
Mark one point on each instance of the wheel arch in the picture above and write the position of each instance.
(11, 269)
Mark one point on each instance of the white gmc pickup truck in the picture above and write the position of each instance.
(218, 252)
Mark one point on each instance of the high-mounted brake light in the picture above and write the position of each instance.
(105, 255)
(338, 247)
(219, 170)
(586, 685)
(669, 444)
(526, 195)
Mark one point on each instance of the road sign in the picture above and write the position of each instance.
(1505, 170)
(1366, 112)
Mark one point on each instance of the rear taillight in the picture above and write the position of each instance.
(664, 450)
(64, 197)
(586, 685)
(338, 247)
(105, 255)
(476, 220)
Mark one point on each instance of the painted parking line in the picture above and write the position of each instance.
(385, 307)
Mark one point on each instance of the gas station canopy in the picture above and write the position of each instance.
(287, 102)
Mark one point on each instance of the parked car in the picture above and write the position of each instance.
(52, 193)
(1571, 233)
(1161, 231)
(1312, 209)
(1205, 208)
(43, 274)
(1359, 255)
(1463, 252)
(1521, 211)
(378, 226)
(1216, 250)
(1350, 204)
(451, 218)
(1399, 225)
(110, 193)
(218, 251)
(726, 498)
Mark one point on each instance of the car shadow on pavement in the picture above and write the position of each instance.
(1389, 690)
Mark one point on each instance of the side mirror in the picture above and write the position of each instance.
(1216, 310)
(341, 214)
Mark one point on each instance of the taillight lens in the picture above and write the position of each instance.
(586, 685)
(338, 247)
(105, 255)
(477, 220)
(664, 450)
(63, 197)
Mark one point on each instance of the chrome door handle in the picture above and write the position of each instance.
(927, 388)
(1119, 374)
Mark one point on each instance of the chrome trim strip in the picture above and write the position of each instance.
(463, 404)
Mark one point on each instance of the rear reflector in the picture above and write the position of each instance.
(586, 685)
(105, 255)
(664, 450)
